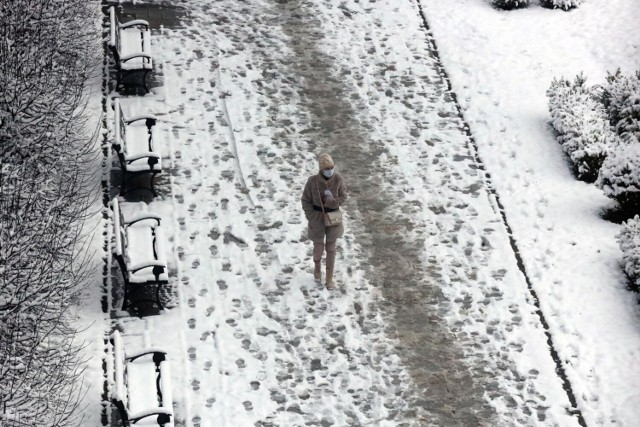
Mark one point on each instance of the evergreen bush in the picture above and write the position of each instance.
(621, 97)
(560, 4)
(580, 120)
(510, 4)
(620, 176)
(629, 240)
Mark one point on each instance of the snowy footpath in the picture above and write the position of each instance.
(434, 322)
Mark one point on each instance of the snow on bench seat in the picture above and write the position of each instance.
(139, 248)
(141, 385)
(146, 243)
(135, 47)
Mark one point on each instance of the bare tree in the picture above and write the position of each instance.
(47, 50)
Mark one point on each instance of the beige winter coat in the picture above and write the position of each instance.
(312, 197)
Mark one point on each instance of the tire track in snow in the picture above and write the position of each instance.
(222, 94)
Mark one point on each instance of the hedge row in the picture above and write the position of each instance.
(599, 129)
(582, 124)
(551, 4)
(629, 240)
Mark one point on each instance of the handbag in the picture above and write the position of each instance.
(331, 219)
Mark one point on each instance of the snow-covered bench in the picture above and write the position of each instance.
(142, 386)
(133, 141)
(140, 251)
(130, 44)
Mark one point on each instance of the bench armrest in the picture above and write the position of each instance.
(135, 22)
(125, 58)
(134, 418)
(142, 217)
(141, 265)
(143, 117)
(155, 351)
(139, 156)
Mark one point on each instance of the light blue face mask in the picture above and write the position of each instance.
(328, 173)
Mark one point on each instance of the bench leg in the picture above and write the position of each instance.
(144, 80)
(126, 303)
(125, 181)
(119, 77)
(125, 298)
(158, 296)
(151, 184)
(131, 75)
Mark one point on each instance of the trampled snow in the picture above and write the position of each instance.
(250, 92)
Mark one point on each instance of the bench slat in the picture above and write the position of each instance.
(119, 369)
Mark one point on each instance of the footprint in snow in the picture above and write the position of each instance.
(230, 238)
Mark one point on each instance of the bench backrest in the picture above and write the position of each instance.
(120, 233)
(120, 137)
(120, 397)
(114, 35)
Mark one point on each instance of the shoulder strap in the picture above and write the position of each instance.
(320, 195)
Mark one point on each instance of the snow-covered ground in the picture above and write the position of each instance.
(501, 64)
(434, 323)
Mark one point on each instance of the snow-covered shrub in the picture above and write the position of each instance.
(581, 122)
(620, 176)
(510, 4)
(629, 240)
(621, 96)
(46, 55)
(560, 4)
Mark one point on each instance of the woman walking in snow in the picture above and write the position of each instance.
(323, 195)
